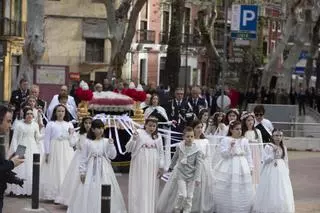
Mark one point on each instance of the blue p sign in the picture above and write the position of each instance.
(248, 18)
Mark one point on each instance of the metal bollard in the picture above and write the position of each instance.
(35, 181)
(106, 199)
(2, 147)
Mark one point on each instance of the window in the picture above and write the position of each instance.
(15, 69)
(162, 74)
(143, 71)
(165, 21)
(187, 12)
(265, 48)
(17, 10)
(144, 11)
(273, 46)
(95, 50)
(279, 26)
(274, 26)
(1, 9)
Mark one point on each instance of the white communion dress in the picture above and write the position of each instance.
(96, 166)
(26, 134)
(146, 159)
(233, 182)
(256, 146)
(72, 179)
(203, 195)
(58, 144)
(274, 193)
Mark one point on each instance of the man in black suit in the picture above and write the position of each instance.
(6, 166)
(177, 109)
(18, 97)
(196, 101)
(35, 90)
(212, 101)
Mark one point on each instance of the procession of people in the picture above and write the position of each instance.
(233, 162)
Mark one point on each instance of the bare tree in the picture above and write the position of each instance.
(207, 16)
(34, 47)
(173, 61)
(121, 20)
(313, 50)
(297, 26)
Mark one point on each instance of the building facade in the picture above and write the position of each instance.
(13, 15)
(148, 55)
(76, 36)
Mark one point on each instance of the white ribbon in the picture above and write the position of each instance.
(117, 137)
(122, 123)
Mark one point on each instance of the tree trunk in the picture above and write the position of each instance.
(121, 33)
(318, 73)
(207, 39)
(173, 60)
(34, 46)
(312, 51)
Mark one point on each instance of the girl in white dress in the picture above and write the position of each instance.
(204, 117)
(203, 195)
(218, 130)
(231, 115)
(220, 127)
(274, 193)
(256, 145)
(58, 142)
(37, 113)
(26, 133)
(72, 181)
(96, 170)
(146, 168)
(233, 188)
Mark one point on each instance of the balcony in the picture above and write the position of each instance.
(164, 37)
(10, 27)
(146, 36)
(191, 40)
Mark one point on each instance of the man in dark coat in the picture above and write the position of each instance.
(196, 101)
(6, 166)
(19, 96)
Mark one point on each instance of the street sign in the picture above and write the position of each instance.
(244, 22)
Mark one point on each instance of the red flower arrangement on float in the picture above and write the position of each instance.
(83, 92)
(137, 94)
(85, 95)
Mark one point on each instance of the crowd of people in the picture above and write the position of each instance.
(233, 162)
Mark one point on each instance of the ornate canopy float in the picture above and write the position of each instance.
(111, 103)
(121, 114)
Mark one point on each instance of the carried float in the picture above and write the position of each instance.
(120, 112)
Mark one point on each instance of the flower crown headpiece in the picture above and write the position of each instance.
(218, 113)
(102, 117)
(152, 118)
(235, 110)
(245, 115)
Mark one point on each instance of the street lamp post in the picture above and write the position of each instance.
(186, 63)
(225, 54)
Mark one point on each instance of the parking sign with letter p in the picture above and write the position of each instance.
(248, 18)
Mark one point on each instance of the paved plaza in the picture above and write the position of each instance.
(304, 172)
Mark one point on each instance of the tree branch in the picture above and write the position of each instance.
(111, 16)
(122, 12)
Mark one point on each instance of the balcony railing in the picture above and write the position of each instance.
(164, 37)
(10, 27)
(146, 36)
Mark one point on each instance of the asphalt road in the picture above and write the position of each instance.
(304, 172)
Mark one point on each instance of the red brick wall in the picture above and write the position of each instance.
(153, 67)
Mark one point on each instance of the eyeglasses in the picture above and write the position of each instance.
(29, 113)
(258, 114)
